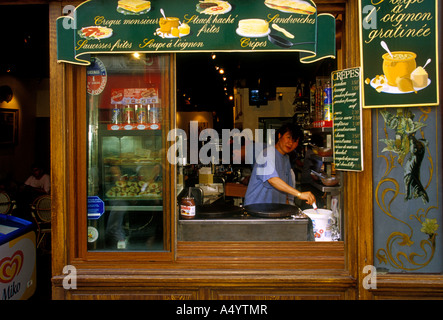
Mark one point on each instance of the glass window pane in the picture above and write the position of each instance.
(125, 157)
(217, 165)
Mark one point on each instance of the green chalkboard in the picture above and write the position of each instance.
(347, 130)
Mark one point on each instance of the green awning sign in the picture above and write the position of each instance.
(399, 53)
(128, 26)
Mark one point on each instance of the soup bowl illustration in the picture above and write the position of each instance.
(167, 24)
(400, 65)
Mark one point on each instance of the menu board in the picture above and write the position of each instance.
(98, 26)
(399, 53)
(347, 130)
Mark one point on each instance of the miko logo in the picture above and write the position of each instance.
(11, 266)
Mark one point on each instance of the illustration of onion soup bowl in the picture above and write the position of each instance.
(400, 65)
(400, 74)
(171, 26)
(168, 23)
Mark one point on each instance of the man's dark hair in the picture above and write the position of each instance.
(294, 130)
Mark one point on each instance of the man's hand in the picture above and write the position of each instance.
(282, 186)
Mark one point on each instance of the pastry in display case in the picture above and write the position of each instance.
(132, 174)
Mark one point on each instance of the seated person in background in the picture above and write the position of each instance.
(38, 184)
(39, 180)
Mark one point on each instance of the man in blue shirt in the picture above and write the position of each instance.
(271, 180)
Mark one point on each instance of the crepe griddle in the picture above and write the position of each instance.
(271, 210)
(218, 210)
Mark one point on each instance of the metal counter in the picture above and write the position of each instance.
(245, 228)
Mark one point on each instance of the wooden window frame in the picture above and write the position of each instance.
(249, 254)
(70, 114)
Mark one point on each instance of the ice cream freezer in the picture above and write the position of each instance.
(17, 258)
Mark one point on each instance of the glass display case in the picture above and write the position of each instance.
(125, 153)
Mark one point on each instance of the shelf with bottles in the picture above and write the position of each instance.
(320, 104)
(135, 117)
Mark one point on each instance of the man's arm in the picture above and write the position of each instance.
(282, 186)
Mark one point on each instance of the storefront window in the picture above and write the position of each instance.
(125, 105)
(233, 106)
(128, 151)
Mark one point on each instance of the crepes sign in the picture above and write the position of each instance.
(399, 52)
(126, 26)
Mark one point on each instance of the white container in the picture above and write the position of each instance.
(322, 223)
